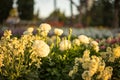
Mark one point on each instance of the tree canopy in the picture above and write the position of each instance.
(5, 7)
(25, 9)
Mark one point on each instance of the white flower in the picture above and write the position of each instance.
(71, 73)
(85, 75)
(83, 39)
(64, 45)
(94, 43)
(45, 27)
(26, 33)
(86, 56)
(41, 48)
(96, 48)
(58, 31)
(76, 42)
(44, 33)
(30, 29)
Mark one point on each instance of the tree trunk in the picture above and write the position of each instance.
(80, 8)
(116, 13)
(55, 5)
(71, 9)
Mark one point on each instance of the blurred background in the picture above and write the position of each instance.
(84, 16)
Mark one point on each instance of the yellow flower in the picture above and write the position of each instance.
(85, 75)
(28, 31)
(107, 73)
(85, 65)
(96, 48)
(101, 66)
(116, 52)
(44, 33)
(86, 56)
(7, 33)
(93, 67)
(111, 59)
(1, 60)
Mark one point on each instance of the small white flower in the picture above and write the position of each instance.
(30, 29)
(41, 48)
(76, 42)
(94, 43)
(96, 48)
(85, 75)
(45, 27)
(64, 45)
(26, 33)
(44, 33)
(71, 73)
(58, 31)
(83, 39)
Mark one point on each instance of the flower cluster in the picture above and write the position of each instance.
(83, 39)
(1, 60)
(19, 56)
(111, 54)
(44, 29)
(40, 48)
(92, 65)
(28, 31)
(39, 56)
(65, 45)
(95, 45)
(58, 31)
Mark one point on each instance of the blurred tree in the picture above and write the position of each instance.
(116, 13)
(36, 16)
(55, 11)
(80, 8)
(97, 13)
(102, 13)
(55, 4)
(89, 5)
(61, 16)
(5, 7)
(71, 10)
(108, 12)
(25, 8)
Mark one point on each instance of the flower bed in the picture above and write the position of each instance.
(42, 57)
